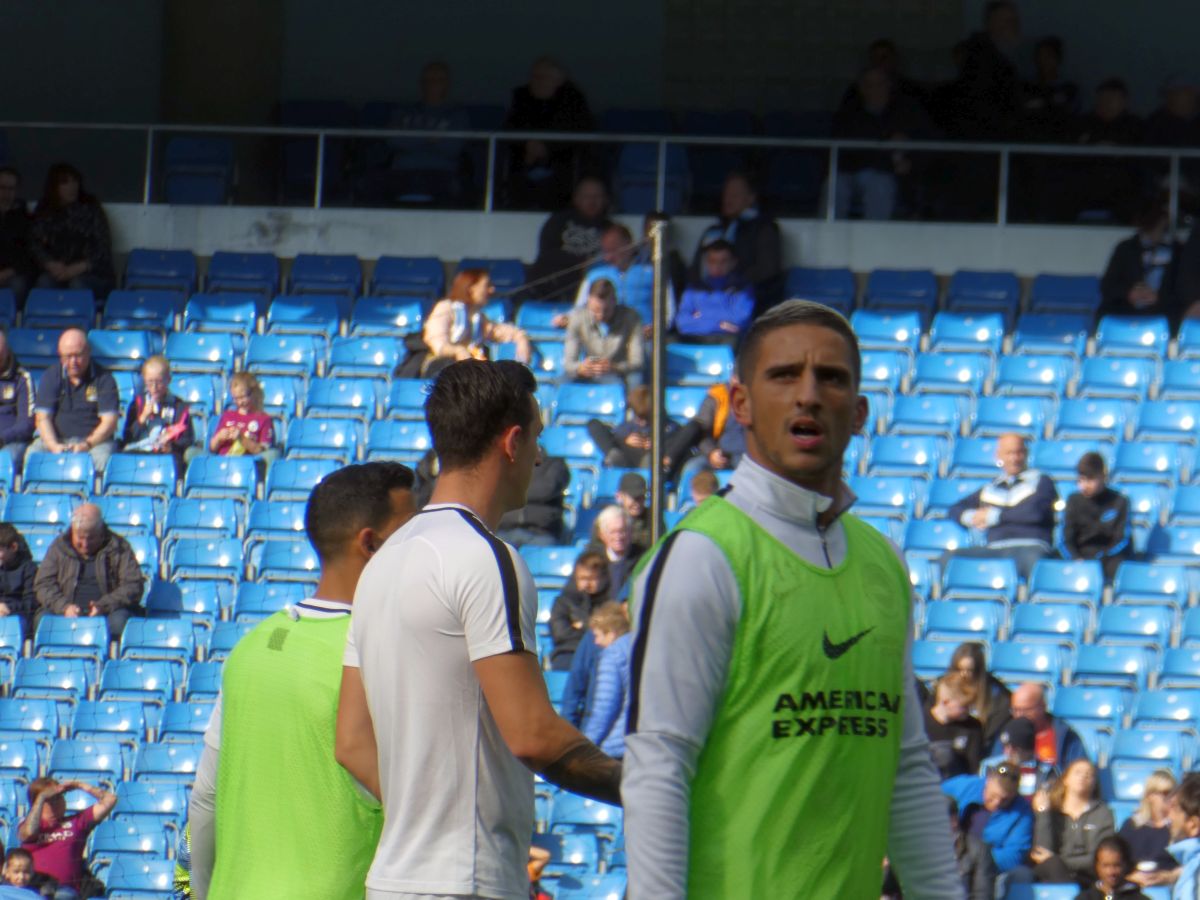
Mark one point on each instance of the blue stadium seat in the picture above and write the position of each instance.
(1167, 709)
(1067, 581)
(149, 681)
(59, 473)
(1093, 419)
(995, 416)
(1184, 505)
(1180, 668)
(974, 457)
(256, 273)
(963, 620)
(978, 292)
(1049, 621)
(221, 476)
(184, 722)
(121, 350)
(320, 273)
(19, 759)
(879, 330)
(575, 404)
(386, 316)
(206, 354)
(1169, 544)
(219, 558)
(1166, 746)
(1058, 459)
(145, 550)
(198, 170)
(834, 286)
(1189, 339)
(684, 402)
(1154, 461)
(59, 308)
(170, 640)
(37, 348)
(318, 315)
(282, 354)
(140, 475)
(405, 441)
(406, 398)
(1079, 294)
(129, 385)
(1044, 334)
(1126, 782)
(576, 855)
(204, 681)
(111, 839)
(1122, 377)
(550, 566)
(294, 479)
(1142, 625)
(915, 289)
(1048, 891)
(885, 370)
(610, 886)
(570, 442)
(547, 362)
(1034, 376)
(201, 517)
(1103, 706)
(1133, 336)
(699, 364)
(336, 439)
(371, 357)
(888, 497)
(934, 414)
(1189, 632)
(27, 510)
(916, 455)
(272, 519)
(1168, 420)
(1017, 661)
(122, 721)
(200, 392)
(980, 579)
(966, 332)
(278, 561)
(1150, 583)
(224, 638)
(342, 398)
(256, 601)
(507, 273)
(24, 719)
(1109, 664)
(173, 763)
(932, 658)
(945, 492)
(1180, 380)
(419, 276)
(879, 413)
(536, 319)
(281, 396)
(79, 637)
(931, 538)
(855, 451)
(52, 679)
(574, 814)
(173, 270)
(151, 803)
(151, 310)
(1146, 502)
(221, 313)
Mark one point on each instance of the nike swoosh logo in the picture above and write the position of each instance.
(833, 651)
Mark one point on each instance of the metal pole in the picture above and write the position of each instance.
(490, 185)
(1173, 193)
(1002, 190)
(831, 185)
(658, 380)
(148, 181)
(660, 185)
(319, 181)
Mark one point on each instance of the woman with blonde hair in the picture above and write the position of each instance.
(1066, 833)
(991, 702)
(457, 327)
(1148, 830)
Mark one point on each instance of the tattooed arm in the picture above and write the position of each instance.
(537, 735)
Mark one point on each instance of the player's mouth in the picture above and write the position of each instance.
(807, 434)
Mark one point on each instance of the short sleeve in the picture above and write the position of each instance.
(496, 600)
(46, 400)
(266, 434)
(350, 654)
(108, 401)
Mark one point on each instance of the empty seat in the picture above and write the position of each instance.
(980, 579)
(1150, 583)
(27, 719)
(277, 561)
(171, 640)
(1036, 376)
(1168, 420)
(404, 441)
(902, 289)
(221, 313)
(932, 658)
(1169, 544)
(221, 476)
(887, 497)
(1167, 709)
(59, 473)
(142, 309)
(174, 270)
(1097, 419)
(1067, 581)
(957, 620)
(184, 722)
(336, 439)
(1065, 293)
(1137, 625)
(1052, 334)
(939, 415)
(953, 331)
(1105, 706)
(254, 272)
(576, 404)
(148, 681)
(1180, 668)
(274, 518)
(995, 416)
(974, 457)
(59, 308)
(1180, 380)
(209, 354)
(878, 330)
(322, 273)
(506, 273)
(256, 601)
(140, 475)
(1154, 461)
(916, 455)
(931, 539)
(1167, 747)
(65, 637)
(121, 350)
(1133, 336)
(885, 370)
(1018, 661)
(203, 681)
(974, 291)
(833, 286)
(318, 315)
(1146, 502)
(224, 638)
(123, 721)
(386, 316)
(206, 558)
(1118, 665)
(1058, 459)
(25, 510)
(1121, 377)
(338, 398)
(373, 357)
(1049, 621)
(420, 276)
(53, 679)
(943, 493)
(294, 479)
(173, 763)
(282, 354)
(699, 363)
(406, 398)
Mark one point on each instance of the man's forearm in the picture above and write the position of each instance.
(584, 769)
(102, 432)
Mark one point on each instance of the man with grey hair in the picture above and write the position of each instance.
(77, 404)
(771, 661)
(613, 536)
(90, 571)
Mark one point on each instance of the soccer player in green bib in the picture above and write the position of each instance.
(775, 747)
(272, 813)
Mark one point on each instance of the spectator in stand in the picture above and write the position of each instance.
(702, 486)
(713, 431)
(540, 521)
(990, 806)
(18, 870)
(633, 280)
(1140, 279)
(1055, 741)
(1148, 830)
(975, 862)
(71, 240)
(16, 402)
(883, 55)
(604, 722)
(16, 260)
(869, 181)
(583, 595)
(1177, 122)
(77, 404)
(1067, 830)
(457, 327)
(569, 241)
(1016, 510)
(1113, 864)
(1017, 742)
(1184, 813)
(757, 247)
(90, 571)
(1050, 102)
(717, 307)
(55, 839)
(18, 572)
(631, 494)
(245, 430)
(1110, 121)
(1108, 186)
(157, 421)
(613, 535)
(604, 342)
(540, 172)
(627, 446)
(989, 89)
(991, 702)
(429, 169)
(1096, 524)
(955, 736)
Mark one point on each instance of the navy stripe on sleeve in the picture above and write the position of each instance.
(508, 578)
(643, 631)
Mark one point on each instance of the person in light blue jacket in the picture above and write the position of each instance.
(1183, 813)
(608, 708)
(1008, 827)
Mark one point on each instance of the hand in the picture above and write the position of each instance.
(729, 327)
(560, 320)
(638, 441)
(578, 626)
(54, 790)
(72, 611)
(149, 410)
(78, 447)
(93, 610)
(717, 459)
(1041, 800)
(7, 274)
(1142, 295)
(588, 368)
(1039, 855)
(602, 366)
(979, 518)
(57, 270)
(4, 610)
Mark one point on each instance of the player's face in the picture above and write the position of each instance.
(527, 456)
(801, 405)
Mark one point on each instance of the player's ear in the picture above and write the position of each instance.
(509, 441)
(367, 542)
(739, 403)
(862, 407)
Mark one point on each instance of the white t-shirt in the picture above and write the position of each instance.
(458, 806)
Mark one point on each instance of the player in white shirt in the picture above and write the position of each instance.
(443, 702)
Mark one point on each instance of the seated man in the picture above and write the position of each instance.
(1140, 279)
(719, 306)
(1016, 511)
(90, 571)
(157, 421)
(990, 806)
(17, 574)
(77, 403)
(716, 435)
(613, 536)
(1017, 743)
(55, 838)
(631, 494)
(633, 280)
(1096, 524)
(627, 445)
(1054, 741)
(757, 246)
(604, 343)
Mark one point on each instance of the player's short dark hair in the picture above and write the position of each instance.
(1187, 795)
(1119, 845)
(350, 499)
(472, 403)
(795, 312)
(1091, 465)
